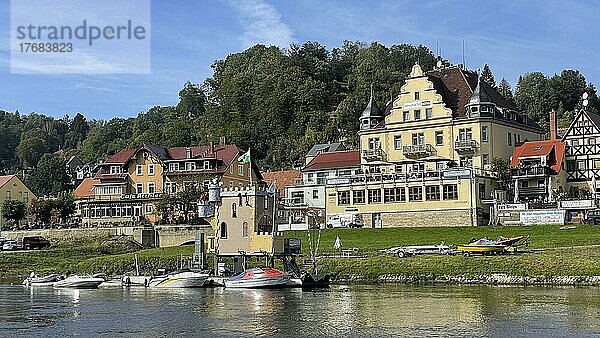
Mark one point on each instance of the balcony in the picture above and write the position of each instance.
(533, 171)
(465, 146)
(419, 150)
(371, 155)
(532, 191)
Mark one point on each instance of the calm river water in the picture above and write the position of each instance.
(341, 311)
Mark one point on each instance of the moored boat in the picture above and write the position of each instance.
(34, 280)
(259, 278)
(80, 282)
(185, 278)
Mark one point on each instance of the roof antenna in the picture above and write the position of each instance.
(372, 83)
(463, 54)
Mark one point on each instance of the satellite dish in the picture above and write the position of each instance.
(585, 103)
(585, 96)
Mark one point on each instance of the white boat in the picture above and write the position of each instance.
(259, 278)
(179, 279)
(34, 280)
(80, 282)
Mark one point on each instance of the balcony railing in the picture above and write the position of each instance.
(455, 173)
(532, 191)
(374, 155)
(465, 146)
(534, 171)
(419, 150)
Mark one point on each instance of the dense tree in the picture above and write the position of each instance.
(41, 209)
(65, 206)
(505, 90)
(14, 210)
(50, 177)
(487, 76)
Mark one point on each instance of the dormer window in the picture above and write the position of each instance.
(484, 109)
(537, 148)
(474, 109)
(174, 166)
(115, 169)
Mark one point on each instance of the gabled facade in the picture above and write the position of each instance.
(11, 187)
(426, 158)
(537, 171)
(582, 158)
(128, 184)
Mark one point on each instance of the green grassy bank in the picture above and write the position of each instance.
(90, 256)
(552, 252)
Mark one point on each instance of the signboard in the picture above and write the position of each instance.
(338, 180)
(416, 104)
(457, 173)
(140, 196)
(514, 206)
(543, 217)
(577, 204)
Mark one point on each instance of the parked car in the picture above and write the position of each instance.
(33, 242)
(9, 245)
(347, 220)
(2, 240)
(592, 217)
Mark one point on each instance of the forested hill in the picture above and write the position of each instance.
(279, 102)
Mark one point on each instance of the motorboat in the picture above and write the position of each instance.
(184, 278)
(486, 246)
(34, 280)
(259, 278)
(80, 282)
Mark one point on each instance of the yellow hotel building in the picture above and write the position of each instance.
(426, 158)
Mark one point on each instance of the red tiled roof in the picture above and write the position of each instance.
(282, 179)
(554, 150)
(121, 157)
(86, 188)
(4, 179)
(334, 160)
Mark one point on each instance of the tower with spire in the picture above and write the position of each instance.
(372, 115)
(479, 101)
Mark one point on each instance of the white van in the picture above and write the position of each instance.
(346, 220)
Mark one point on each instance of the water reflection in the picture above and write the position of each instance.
(369, 311)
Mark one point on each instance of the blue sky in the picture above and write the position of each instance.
(513, 37)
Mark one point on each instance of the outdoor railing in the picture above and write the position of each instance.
(418, 150)
(465, 145)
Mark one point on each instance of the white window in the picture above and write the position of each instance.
(151, 187)
(439, 138)
(8, 195)
(417, 96)
(428, 113)
(115, 169)
(139, 170)
(398, 142)
(190, 166)
(148, 209)
(417, 114)
(206, 165)
(315, 194)
(231, 184)
(406, 115)
(233, 210)
(231, 169)
(25, 197)
(139, 188)
(485, 158)
(509, 139)
(170, 187)
(150, 169)
(484, 134)
(174, 166)
(240, 169)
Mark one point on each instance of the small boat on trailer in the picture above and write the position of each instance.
(80, 282)
(485, 246)
(259, 278)
(185, 278)
(34, 280)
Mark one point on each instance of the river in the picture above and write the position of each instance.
(341, 311)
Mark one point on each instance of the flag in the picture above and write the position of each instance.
(272, 188)
(245, 158)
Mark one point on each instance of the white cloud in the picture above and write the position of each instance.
(262, 24)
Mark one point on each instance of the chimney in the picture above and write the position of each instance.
(212, 147)
(188, 152)
(222, 141)
(552, 125)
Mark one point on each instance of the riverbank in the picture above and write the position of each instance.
(555, 256)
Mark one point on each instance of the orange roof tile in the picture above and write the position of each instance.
(554, 150)
(282, 179)
(334, 160)
(4, 179)
(86, 188)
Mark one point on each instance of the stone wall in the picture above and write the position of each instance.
(65, 235)
(431, 218)
(175, 235)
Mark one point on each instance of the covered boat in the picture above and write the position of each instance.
(487, 246)
(259, 278)
(80, 282)
(185, 278)
(34, 280)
